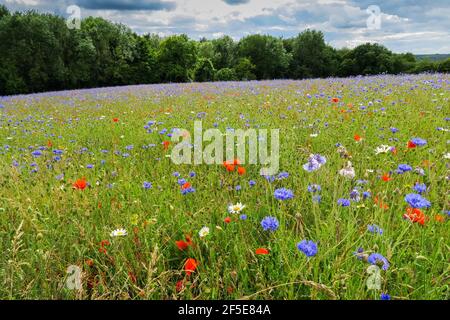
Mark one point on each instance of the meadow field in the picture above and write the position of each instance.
(93, 207)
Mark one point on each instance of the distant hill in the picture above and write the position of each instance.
(432, 57)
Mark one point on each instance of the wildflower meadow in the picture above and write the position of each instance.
(92, 205)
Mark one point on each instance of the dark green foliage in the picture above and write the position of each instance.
(226, 74)
(204, 70)
(39, 53)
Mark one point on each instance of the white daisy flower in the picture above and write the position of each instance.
(383, 149)
(118, 233)
(236, 208)
(348, 171)
(203, 232)
(447, 155)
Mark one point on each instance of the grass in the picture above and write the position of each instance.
(46, 225)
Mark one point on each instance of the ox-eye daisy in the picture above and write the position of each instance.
(118, 233)
(236, 208)
(383, 149)
(203, 232)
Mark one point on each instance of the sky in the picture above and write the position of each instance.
(420, 27)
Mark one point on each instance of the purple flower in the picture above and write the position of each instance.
(283, 194)
(252, 183)
(315, 161)
(243, 217)
(402, 168)
(308, 247)
(420, 187)
(417, 201)
(354, 195)
(147, 185)
(373, 228)
(187, 190)
(314, 188)
(270, 223)
(385, 296)
(343, 202)
(419, 141)
(36, 153)
(378, 259)
(282, 175)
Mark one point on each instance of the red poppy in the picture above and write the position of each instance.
(49, 143)
(180, 285)
(380, 203)
(357, 137)
(236, 161)
(415, 215)
(335, 100)
(132, 277)
(189, 240)
(80, 184)
(230, 167)
(227, 220)
(411, 145)
(115, 119)
(262, 251)
(241, 171)
(386, 177)
(182, 245)
(166, 144)
(89, 262)
(185, 186)
(190, 265)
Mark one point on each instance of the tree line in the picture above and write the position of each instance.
(39, 53)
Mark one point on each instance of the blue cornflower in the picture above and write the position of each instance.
(394, 130)
(252, 183)
(60, 176)
(89, 166)
(282, 175)
(308, 247)
(36, 153)
(237, 188)
(283, 194)
(187, 190)
(243, 217)
(420, 187)
(343, 202)
(176, 174)
(378, 259)
(317, 198)
(366, 194)
(385, 296)
(404, 168)
(315, 161)
(359, 253)
(314, 188)
(181, 181)
(354, 195)
(270, 223)
(147, 185)
(57, 152)
(419, 141)
(417, 201)
(269, 178)
(130, 147)
(192, 174)
(373, 228)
